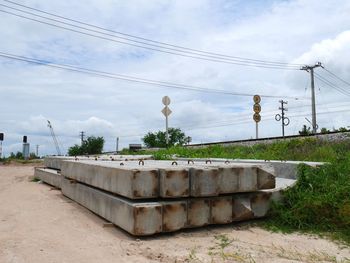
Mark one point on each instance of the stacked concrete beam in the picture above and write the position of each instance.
(147, 218)
(152, 179)
(149, 197)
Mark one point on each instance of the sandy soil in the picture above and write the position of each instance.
(38, 224)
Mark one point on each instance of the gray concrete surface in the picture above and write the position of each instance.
(49, 176)
(55, 162)
(283, 169)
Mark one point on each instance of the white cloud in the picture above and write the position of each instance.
(302, 31)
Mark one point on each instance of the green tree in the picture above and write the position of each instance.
(324, 130)
(19, 155)
(92, 145)
(75, 150)
(157, 139)
(343, 129)
(305, 131)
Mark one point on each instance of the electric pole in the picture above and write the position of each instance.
(310, 69)
(117, 145)
(281, 117)
(82, 135)
(37, 150)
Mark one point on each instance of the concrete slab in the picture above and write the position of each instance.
(49, 176)
(55, 162)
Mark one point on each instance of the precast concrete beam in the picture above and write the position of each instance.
(55, 162)
(49, 176)
(140, 217)
(136, 218)
(151, 179)
(131, 183)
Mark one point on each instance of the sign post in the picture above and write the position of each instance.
(256, 116)
(166, 112)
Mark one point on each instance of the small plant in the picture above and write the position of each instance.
(305, 131)
(192, 257)
(34, 179)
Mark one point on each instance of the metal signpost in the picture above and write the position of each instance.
(166, 111)
(256, 116)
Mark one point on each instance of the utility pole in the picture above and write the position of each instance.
(37, 150)
(117, 145)
(281, 117)
(82, 135)
(310, 69)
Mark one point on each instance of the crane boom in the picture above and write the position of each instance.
(54, 138)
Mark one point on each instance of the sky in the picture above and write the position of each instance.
(296, 32)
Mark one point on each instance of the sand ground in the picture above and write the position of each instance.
(38, 224)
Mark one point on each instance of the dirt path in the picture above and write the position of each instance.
(38, 224)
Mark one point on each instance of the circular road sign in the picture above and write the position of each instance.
(166, 100)
(256, 99)
(257, 108)
(256, 117)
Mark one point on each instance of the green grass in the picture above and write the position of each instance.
(320, 201)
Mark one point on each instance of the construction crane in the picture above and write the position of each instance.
(54, 138)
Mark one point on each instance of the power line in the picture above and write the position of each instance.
(332, 85)
(337, 77)
(153, 49)
(162, 45)
(130, 78)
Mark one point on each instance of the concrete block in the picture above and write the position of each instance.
(221, 210)
(204, 182)
(260, 203)
(136, 218)
(198, 212)
(228, 180)
(248, 179)
(49, 176)
(266, 179)
(242, 209)
(174, 215)
(174, 183)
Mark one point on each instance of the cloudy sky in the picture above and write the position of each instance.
(295, 32)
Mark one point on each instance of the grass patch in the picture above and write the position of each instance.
(319, 203)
